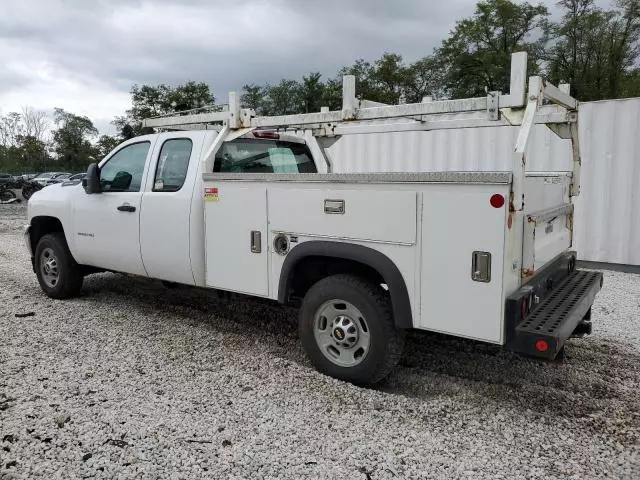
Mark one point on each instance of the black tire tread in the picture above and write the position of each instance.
(395, 337)
(73, 278)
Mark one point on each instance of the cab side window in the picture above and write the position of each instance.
(173, 163)
(123, 171)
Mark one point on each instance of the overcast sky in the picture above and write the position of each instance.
(84, 55)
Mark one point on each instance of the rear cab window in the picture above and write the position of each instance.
(246, 155)
(172, 166)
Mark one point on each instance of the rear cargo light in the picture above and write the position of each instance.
(271, 135)
(496, 200)
(542, 346)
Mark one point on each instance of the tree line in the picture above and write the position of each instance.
(596, 50)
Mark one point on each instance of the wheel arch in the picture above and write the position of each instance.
(40, 226)
(347, 258)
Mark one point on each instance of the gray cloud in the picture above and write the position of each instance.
(109, 45)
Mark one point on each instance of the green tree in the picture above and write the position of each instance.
(71, 139)
(33, 154)
(477, 54)
(389, 79)
(11, 127)
(365, 82)
(104, 145)
(23, 146)
(310, 92)
(596, 50)
(253, 97)
(282, 99)
(151, 101)
(332, 94)
(424, 78)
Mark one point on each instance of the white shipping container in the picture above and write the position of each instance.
(607, 226)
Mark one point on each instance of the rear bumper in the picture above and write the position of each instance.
(548, 309)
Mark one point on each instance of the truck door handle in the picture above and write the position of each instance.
(127, 208)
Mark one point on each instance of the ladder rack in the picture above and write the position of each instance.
(517, 108)
(496, 109)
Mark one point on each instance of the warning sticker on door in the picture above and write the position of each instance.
(211, 194)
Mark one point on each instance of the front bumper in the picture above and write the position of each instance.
(554, 305)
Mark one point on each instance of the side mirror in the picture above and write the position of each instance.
(122, 181)
(91, 182)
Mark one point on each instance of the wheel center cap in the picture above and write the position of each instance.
(338, 333)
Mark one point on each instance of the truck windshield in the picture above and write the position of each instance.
(263, 156)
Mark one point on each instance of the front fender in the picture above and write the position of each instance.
(56, 201)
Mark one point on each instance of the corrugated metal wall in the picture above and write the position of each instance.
(607, 211)
(607, 225)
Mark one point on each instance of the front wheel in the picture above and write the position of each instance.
(347, 329)
(58, 273)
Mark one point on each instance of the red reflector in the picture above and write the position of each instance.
(271, 135)
(510, 221)
(496, 200)
(542, 346)
(524, 308)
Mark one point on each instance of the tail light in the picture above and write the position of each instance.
(542, 345)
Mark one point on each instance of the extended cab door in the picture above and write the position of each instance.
(166, 207)
(107, 224)
(236, 223)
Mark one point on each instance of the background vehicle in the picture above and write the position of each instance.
(5, 178)
(6, 194)
(58, 178)
(41, 178)
(30, 187)
(251, 206)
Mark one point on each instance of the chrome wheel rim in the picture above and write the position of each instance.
(49, 267)
(342, 333)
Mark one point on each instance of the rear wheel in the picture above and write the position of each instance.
(347, 329)
(58, 273)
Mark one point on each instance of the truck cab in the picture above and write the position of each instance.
(143, 222)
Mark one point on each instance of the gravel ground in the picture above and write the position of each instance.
(133, 380)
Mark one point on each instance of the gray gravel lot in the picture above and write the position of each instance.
(133, 380)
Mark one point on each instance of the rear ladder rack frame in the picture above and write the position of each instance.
(519, 107)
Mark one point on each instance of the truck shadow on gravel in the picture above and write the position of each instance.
(596, 384)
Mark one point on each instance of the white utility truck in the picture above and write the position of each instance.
(232, 201)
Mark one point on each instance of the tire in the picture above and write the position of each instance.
(27, 192)
(347, 297)
(6, 195)
(58, 273)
